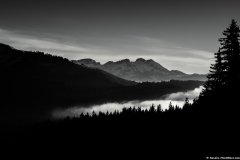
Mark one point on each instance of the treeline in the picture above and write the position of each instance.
(127, 114)
(34, 84)
(131, 121)
(208, 127)
(35, 78)
(134, 131)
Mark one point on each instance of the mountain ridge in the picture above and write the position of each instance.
(140, 70)
(34, 84)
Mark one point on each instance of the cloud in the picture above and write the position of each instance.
(174, 98)
(160, 47)
(168, 55)
(113, 49)
(52, 46)
(181, 96)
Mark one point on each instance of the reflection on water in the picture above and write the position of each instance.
(174, 98)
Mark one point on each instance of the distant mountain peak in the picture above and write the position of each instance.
(141, 60)
(87, 61)
(150, 60)
(177, 72)
(144, 60)
(109, 62)
(139, 70)
(123, 61)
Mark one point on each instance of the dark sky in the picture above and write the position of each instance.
(178, 34)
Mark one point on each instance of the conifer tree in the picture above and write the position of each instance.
(186, 103)
(215, 77)
(230, 53)
(226, 70)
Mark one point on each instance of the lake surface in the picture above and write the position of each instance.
(175, 98)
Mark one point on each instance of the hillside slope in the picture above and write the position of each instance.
(35, 82)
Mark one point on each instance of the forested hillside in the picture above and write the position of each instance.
(206, 128)
(34, 84)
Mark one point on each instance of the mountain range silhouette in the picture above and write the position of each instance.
(140, 71)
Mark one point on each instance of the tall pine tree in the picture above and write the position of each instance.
(226, 70)
(230, 53)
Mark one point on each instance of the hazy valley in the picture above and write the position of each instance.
(37, 84)
(119, 79)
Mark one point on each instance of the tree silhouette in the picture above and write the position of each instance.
(215, 77)
(186, 103)
(230, 52)
(226, 70)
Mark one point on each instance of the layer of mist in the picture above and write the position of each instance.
(175, 98)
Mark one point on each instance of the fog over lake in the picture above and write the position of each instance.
(175, 98)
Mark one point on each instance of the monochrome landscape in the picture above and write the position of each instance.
(120, 79)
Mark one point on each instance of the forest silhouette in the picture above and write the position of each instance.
(36, 83)
(207, 127)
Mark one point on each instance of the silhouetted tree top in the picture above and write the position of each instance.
(226, 70)
(230, 53)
